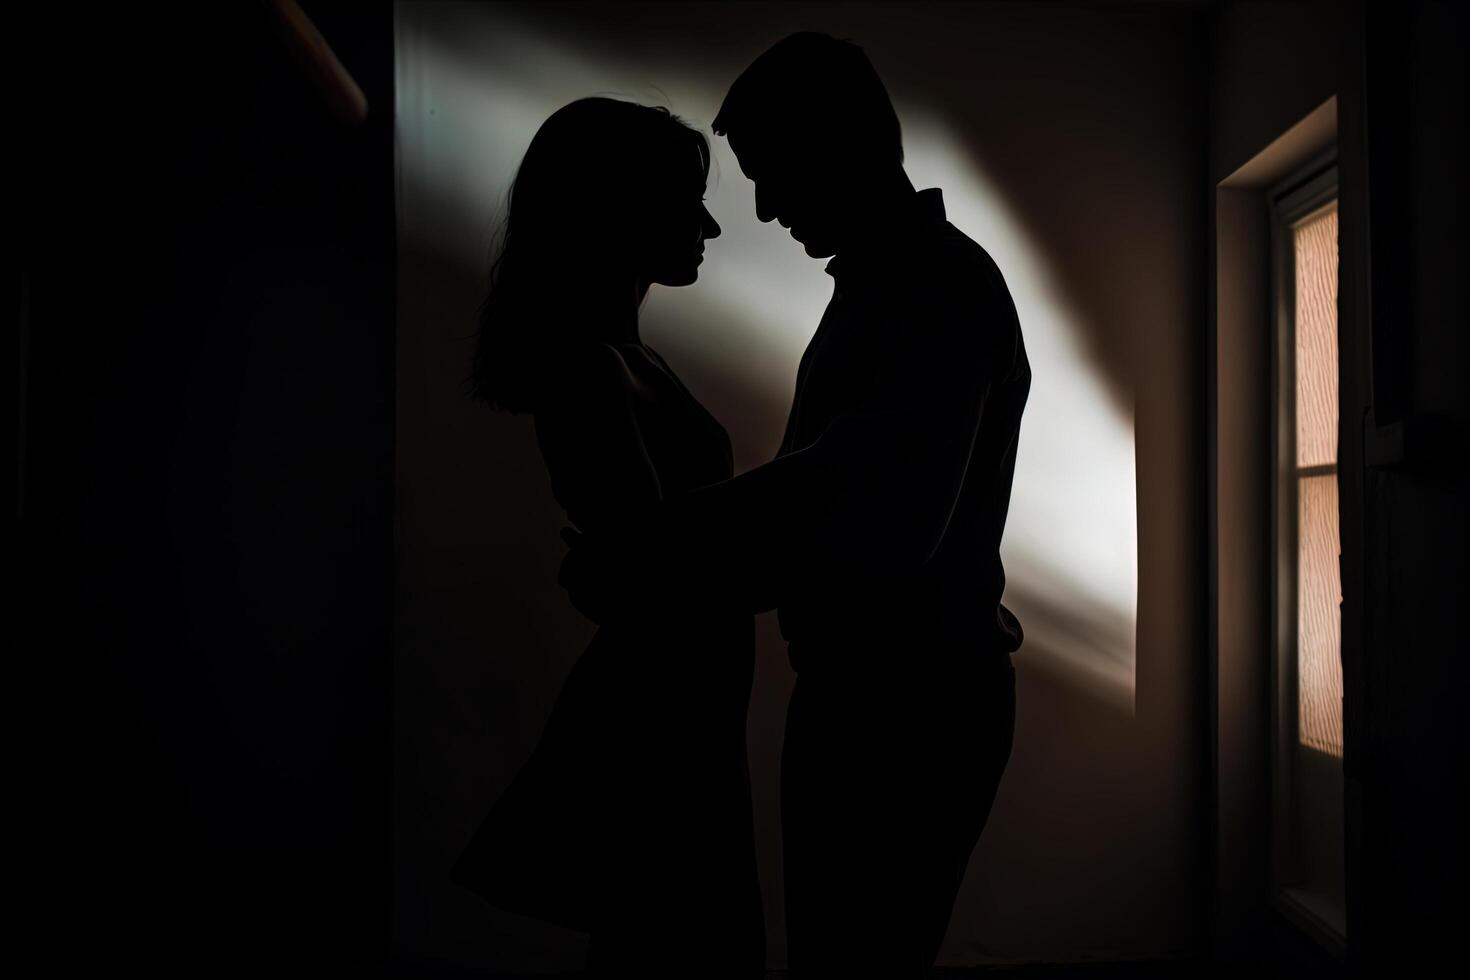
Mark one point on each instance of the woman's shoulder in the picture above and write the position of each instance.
(587, 373)
(600, 362)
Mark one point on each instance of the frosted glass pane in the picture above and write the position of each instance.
(1319, 623)
(1315, 244)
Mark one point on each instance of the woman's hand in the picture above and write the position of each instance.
(604, 582)
(581, 576)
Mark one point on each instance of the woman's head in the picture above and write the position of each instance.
(609, 198)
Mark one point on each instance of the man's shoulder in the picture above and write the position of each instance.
(952, 274)
(950, 256)
(946, 266)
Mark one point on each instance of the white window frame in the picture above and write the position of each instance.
(1310, 189)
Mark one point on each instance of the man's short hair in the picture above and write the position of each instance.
(811, 82)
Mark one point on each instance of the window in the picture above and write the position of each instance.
(1308, 784)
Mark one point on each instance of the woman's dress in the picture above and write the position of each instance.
(632, 819)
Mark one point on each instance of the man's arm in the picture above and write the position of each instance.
(875, 492)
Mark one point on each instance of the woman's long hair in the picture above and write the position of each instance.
(575, 196)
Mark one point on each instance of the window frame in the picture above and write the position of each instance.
(1309, 189)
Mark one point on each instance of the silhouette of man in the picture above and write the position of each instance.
(876, 530)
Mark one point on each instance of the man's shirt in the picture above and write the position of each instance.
(881, 517)
(921, 349)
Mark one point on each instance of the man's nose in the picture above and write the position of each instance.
(711, 227)
(765, 209)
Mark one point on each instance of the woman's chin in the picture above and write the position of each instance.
(684, 277)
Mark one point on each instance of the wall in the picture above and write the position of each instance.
(1272, 63)
(200, 703)
(1069, 140)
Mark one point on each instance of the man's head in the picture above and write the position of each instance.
(813, 127)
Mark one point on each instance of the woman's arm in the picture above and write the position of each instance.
(593, 447)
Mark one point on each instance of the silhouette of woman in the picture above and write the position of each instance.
(632, 819)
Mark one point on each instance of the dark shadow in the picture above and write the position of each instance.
(206, 543)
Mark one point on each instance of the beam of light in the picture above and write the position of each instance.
(1070, 547)
(1071, 540)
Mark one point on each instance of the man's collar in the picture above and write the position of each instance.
(924, 207)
